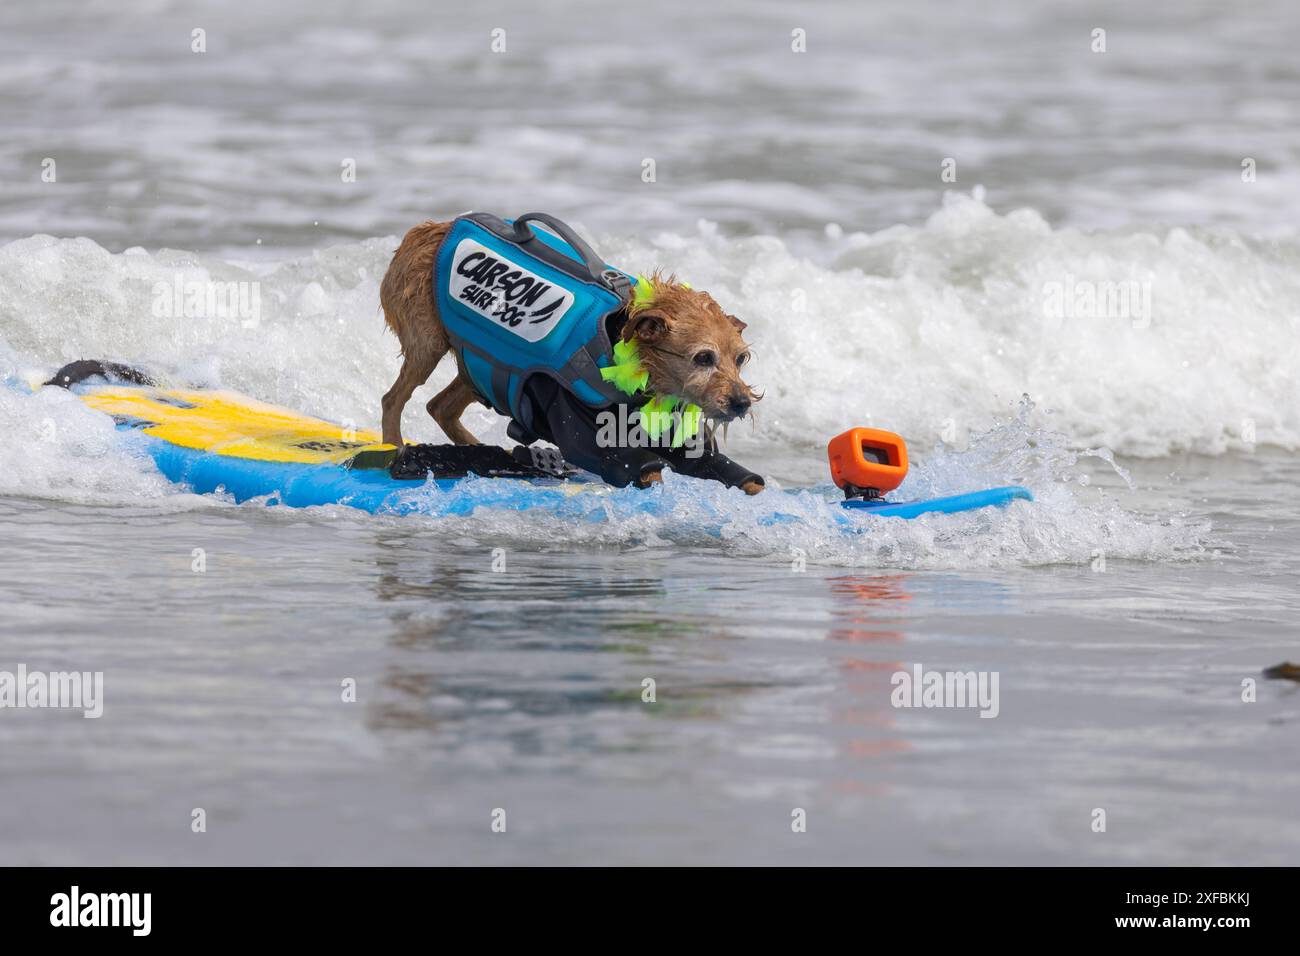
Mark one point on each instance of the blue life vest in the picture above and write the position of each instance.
(518, 302)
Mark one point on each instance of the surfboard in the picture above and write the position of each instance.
(222, 442)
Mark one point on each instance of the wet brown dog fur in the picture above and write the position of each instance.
(688, 344)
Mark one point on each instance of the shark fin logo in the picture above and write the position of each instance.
(502, 291)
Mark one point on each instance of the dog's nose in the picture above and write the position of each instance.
(739, 405)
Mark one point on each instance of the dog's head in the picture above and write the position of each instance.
(691, 348)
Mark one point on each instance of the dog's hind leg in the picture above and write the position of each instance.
(448, 405)
(417, 366)
(407, 298)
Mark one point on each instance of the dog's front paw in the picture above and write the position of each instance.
(650, 478)
(752, 487)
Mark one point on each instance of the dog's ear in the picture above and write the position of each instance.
(646, 327)
(736, 323)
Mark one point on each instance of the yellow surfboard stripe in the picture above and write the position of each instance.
(231, 424)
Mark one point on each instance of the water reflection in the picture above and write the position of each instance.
(866, 611)
(547, 656)
(866, 608)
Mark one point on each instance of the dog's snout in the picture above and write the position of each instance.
(739, 403)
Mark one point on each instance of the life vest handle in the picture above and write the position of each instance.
(611, 279)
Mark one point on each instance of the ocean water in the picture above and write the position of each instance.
(1104, 306)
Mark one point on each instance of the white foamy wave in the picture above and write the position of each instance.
(935, 331)
(1067, 523)
(54, 447)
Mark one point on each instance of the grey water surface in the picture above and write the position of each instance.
(522, 690)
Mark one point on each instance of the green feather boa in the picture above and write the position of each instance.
(629, 375)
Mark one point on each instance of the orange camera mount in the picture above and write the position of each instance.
(867, 462)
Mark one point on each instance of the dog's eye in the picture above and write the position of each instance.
(705, 359)
(741, 359)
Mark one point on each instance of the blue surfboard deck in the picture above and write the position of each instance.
(989, 497)
(221, 442)
(304, 485)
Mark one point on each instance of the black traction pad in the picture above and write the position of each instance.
(417, 462)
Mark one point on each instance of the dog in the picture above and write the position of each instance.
(688, 347)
